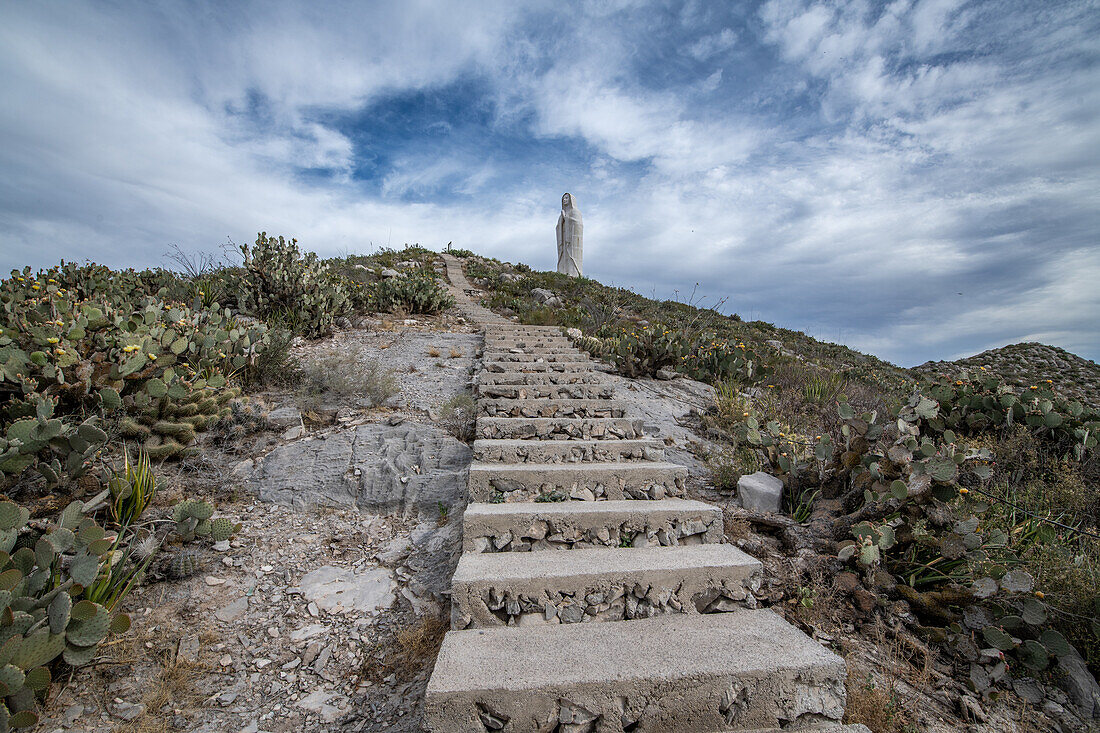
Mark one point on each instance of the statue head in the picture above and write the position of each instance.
(567, 201)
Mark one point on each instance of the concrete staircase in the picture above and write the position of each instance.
(591, 597)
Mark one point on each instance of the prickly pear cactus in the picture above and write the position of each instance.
(39, 588)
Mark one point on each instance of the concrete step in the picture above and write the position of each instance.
(525, 358)
(547, 391)
(619, 584)
(576, 482)
(674, 673)
(524, 527)
(568, 451)
(543, 378)
(513, 367)
(550, 408)
(559, 428)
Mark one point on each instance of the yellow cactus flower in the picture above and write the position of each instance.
(60, 352)
(964, 491)
(1039, 595)
(52, 340)
(130, 349)
(152, 357)
(36, 286)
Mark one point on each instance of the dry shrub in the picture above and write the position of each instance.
(875, 704)
(459, 416)
(338, 374)
(410, 651)
(171, 687)
(455, 353)
(433, 352)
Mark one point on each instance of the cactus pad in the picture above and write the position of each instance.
(90, 631)
(78, 656)
(38, 649)
(222, 529)
(59, 612)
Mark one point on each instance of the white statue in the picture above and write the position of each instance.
(570, 237)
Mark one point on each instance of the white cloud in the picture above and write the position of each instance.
(874, 171)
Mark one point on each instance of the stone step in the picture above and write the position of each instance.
(559, 428)
(577, 482)
(513, 342)
(515, 330)
(543, 378)
(547, 391)
(520, 527)
(676, 673)
(550, 357)
(493, 407)
(568, 451)
(618, 584)
(512, 367)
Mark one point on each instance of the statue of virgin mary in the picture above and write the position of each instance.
(570, 237)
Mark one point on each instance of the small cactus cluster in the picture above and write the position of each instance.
(183, 564)
(170, 418)
(195, 518)
(43, 617)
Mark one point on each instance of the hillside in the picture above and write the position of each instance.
(1029, 363)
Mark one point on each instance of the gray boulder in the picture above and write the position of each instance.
(760, 492)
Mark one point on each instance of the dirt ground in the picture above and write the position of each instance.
(243, 644)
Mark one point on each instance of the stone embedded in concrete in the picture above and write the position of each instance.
(537, 357)
(549, 408)
(575, 482)
(534, 367)
(559, 428)
(567, 451)
(547, 391)
(522, 527)
(543, 378)
(760, 492)
(495, 589)
(674, 673)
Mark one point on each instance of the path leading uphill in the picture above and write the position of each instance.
(643, 619)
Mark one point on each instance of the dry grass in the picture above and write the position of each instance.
(410, 651)
(875, 704)
(171, 688)
(433, 352)
(735, 527)
(455, 353)
(337, 374)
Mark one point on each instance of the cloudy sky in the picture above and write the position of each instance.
(916, 179)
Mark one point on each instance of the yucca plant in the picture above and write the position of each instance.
(132, 490)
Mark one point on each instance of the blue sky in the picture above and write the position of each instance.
(916, 179)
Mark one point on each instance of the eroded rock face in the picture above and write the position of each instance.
(386, 468)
